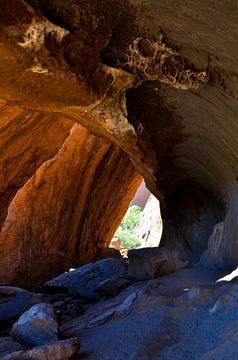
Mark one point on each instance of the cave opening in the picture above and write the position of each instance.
(142, 225)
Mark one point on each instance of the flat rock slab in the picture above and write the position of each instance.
(37, 326)
(148, 263)
(84, 280)
(59, 350)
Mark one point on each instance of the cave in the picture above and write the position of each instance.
(95, 98)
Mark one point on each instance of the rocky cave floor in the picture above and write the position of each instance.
(188, 314)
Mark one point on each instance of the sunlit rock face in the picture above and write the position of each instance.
(27, 139)
(149, 228)
(67, 210)
(158, 80)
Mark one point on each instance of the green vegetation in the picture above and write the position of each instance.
(129, 222)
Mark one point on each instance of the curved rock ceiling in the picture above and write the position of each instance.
(158, 80)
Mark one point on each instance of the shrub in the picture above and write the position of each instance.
(132, 217)
(127, 240)
(129, 222)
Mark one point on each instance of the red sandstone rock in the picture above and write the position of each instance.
(183, 142)
(28, 138)
(66, 211)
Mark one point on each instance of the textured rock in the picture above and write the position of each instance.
(57, 218)
(148, 263)
(28, 138)
(168, 316)
(104, 311)
(36, 327)
(166, 95)
(84, 280)
(60, 350)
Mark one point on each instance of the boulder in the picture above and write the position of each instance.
(84, 280)
(8, 345)
(148, 263)
(59, 350)
(37, 326)
(18, 301)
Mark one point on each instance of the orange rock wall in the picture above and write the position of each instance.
(68, 210)
(27, 139)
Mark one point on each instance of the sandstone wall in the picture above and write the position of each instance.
(158, 80)
(66, 211)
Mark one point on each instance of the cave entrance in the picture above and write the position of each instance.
(141, 225)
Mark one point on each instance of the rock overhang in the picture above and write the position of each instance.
(177, 119)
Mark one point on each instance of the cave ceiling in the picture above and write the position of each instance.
(157, 78)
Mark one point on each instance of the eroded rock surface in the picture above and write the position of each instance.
(58, 218)
(167, 95)
(155, 81)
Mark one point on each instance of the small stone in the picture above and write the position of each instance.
(37, 326)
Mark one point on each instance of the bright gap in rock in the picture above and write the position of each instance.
(142, 224)
(233, 275)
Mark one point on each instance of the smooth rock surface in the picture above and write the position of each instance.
(36, 327)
